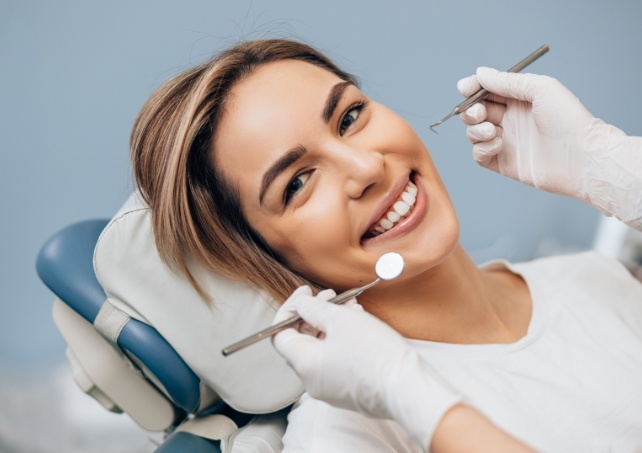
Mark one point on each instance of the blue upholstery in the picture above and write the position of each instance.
(65, 265)
(160, 358)
(188, 443)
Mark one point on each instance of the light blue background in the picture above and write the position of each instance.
(73, 75)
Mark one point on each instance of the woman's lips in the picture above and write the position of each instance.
(395, 213)
(402, 215)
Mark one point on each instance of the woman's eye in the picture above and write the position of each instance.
(350, 117)
(294, 186)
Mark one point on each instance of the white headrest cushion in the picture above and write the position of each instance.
(127, 264)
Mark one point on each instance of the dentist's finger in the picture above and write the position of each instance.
(475, 114)
(468, 86)
(482, 132)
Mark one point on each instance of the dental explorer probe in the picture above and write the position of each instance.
(389, 266)
(482, 93)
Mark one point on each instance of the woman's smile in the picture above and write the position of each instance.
(405, 212)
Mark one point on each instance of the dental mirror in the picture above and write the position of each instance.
(388, 267)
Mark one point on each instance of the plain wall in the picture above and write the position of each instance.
(73, 75)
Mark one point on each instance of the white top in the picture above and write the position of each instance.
(572, 384)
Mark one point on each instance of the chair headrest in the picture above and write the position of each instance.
(136, 281)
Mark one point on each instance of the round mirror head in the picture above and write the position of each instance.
(389, 266)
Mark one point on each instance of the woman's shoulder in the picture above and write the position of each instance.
(314, 426)
(581, 264)
(591, 273)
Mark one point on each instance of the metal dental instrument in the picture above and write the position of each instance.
(482, 93)
(389, 266)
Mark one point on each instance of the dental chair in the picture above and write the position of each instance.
(143, 342)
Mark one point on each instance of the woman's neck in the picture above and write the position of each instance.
(455, 302)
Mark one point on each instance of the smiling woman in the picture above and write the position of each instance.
(338, 166)
(269, 165)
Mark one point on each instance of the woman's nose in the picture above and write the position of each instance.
(362, 169)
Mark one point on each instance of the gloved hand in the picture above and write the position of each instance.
(352, 360)
(533, 129)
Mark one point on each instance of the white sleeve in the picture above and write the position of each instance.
(316, 427)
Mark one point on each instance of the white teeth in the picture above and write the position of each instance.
(393, 216)
(399, 210)
(408, 198)
(385, 223)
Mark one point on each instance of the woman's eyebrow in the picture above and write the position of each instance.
(278, 167)
(290, 157)
(333, 99)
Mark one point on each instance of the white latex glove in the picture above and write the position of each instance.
(534, 130)
(264, 434)
(352, 360)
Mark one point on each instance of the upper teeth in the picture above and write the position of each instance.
(399, 210)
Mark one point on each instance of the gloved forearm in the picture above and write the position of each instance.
(614, 183)
(532, 129)
(352, 360)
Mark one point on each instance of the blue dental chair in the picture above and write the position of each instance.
(167, 379)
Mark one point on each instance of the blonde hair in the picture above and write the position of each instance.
(195, 212)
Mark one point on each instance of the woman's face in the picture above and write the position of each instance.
(331, 179)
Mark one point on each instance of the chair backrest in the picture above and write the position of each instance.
(136, 282)
(140, 373)
(65, 265)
